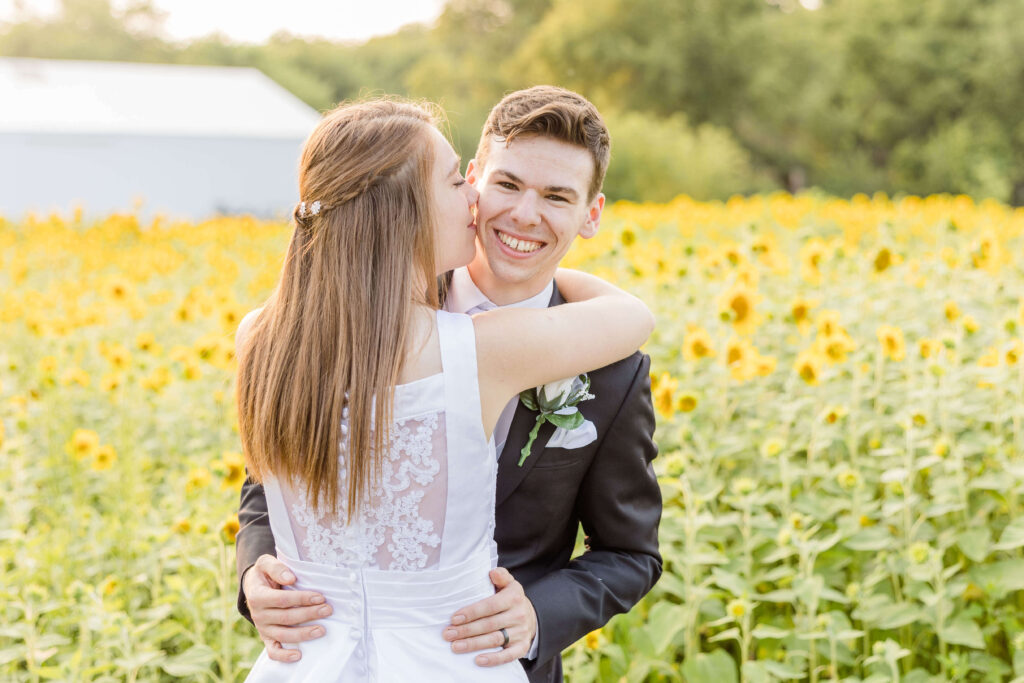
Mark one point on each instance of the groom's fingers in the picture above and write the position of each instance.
(506, 597)
(293, 616)
(291, 634)
(517, 647)
(478, 626)
(509, 654)
(485, 627)
(275, 570)
(281, 654)
(264, 597)
(501, 577)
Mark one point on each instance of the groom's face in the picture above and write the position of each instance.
(533, 204)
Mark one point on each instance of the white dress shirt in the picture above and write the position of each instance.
(465, 297)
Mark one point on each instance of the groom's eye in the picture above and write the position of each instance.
(557, 198)
(507, 185)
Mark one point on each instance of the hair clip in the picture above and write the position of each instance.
(314, 208)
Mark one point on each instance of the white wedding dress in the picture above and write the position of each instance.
(420, 549)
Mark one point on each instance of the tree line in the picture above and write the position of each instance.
(704, 97)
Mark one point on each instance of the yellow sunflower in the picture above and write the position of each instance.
(834, 348)
(231, 316)
(741, 358)
(812, 254)
(929, 348)
(83, 443)
(800, 311)
(765, 365)
(952, 311)
(75, 375)
(808, 366)
(118, 356)
(697, 344)
(664, 395)
(234, 471)
(833, 414)
(145, 341)
(156, 380)
(848, 478)
(686, 403)
(119, 289)
(883, 259)
(198, 478)
(104, 458)
(891, 339)
(828, 323)
(1014, 352)
(737, 305)
(229, 529)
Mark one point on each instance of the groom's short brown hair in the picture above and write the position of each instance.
(554, 112)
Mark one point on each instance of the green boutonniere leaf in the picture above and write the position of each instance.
(560, 411)
(529, 398)
(567, 422)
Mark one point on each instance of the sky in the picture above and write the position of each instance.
(253, 21)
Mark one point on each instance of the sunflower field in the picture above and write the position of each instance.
(840, 390)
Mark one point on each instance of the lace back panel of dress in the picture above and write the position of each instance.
(401, 521)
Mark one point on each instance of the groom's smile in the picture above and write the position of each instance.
(533, 204)
(517, 247)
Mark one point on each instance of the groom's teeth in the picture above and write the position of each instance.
(523, 246)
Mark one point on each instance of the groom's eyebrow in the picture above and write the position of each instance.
(558, 189)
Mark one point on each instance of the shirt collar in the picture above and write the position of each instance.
(464, 295)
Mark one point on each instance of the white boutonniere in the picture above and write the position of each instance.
(556, 403)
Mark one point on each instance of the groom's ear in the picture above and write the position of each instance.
(472, 172)
(593, 221)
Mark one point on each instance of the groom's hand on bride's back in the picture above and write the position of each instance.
(278, 613)
(478, 626)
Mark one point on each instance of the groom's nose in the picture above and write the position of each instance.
(526, 208)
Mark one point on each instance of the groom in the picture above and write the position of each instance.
(539, 169)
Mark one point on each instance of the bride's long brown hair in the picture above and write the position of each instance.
(334, 332)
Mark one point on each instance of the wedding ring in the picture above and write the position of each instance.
(504, 632)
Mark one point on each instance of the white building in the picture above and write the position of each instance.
(184, 141)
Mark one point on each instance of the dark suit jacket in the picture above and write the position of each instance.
(608, 486)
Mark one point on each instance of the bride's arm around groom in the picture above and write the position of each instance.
(539, 168)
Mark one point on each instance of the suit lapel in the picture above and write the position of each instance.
(510, 474)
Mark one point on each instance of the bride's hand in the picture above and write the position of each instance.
(277, 612)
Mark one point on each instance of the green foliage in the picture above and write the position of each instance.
(877, 540)
(974, 155)
(857, 96)
(660, 158)
(863, 527)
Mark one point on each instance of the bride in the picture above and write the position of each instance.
(367, 412)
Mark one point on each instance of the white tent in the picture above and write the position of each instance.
(185, 141)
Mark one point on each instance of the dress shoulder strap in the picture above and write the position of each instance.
(458, 360)
(471, 460)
